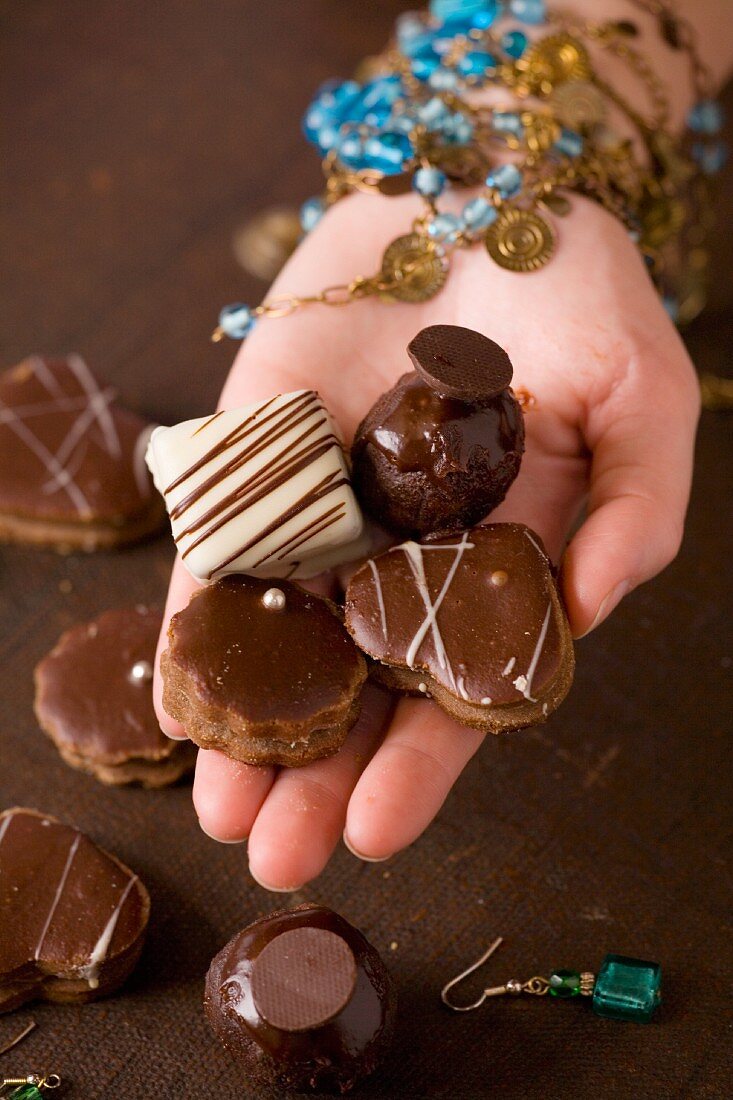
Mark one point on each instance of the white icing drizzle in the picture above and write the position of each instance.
(413, 553)
(461, 685)
(59, 891)
(93, 408)
(509, 666)
(90, 971)
(380, 596)
(4, 826)
(526, 688)
(536, 545)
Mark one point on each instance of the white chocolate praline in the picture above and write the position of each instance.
(274, 599)
(263, 490)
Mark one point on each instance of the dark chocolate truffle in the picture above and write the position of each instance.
(301, 1001)
(424, 462)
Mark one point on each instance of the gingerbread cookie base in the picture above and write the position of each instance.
(265, 675)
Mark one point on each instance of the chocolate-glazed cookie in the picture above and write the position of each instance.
(72, 461)
(94, 700)
(440, 449)
(301, 1001)
(473, 620)
(266, 675)
(72, 916)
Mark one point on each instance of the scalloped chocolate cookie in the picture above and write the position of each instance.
(474, 621)
(94, 700)
(73, 916)
(265, 675)
(72, 462)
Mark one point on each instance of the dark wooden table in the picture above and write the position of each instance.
(138, 137)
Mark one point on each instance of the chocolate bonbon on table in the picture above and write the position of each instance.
(72, 466)
(93, 699)
(473, 620)
(73, 916)
(266, 674)
(302, 1001)
(440, 449)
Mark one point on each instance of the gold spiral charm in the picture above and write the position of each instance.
(520, 240)
(414, 269)
(579, 105)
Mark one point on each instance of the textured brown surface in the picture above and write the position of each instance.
(138, 138)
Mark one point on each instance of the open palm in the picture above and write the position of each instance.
(612, 427)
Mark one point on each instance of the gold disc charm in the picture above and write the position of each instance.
(579, 105)
(520, 240)
(554, 60)
(414, 269)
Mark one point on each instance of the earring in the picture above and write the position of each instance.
(30, 1086)
(623, 989)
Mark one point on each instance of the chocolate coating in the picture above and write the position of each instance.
(476, 619)
(459, 362)
(73, 916)
(262, 683)
(100, 716)
(329, 1057)
(426, 463)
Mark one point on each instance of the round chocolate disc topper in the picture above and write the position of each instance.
(460, 363)
(303, 978)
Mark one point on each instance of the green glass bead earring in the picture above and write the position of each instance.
(623, 989)
(32, 1085)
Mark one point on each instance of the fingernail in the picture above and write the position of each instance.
(174, 736)
(607, 605)
(273, 889)
(221, 840)
(359, 855)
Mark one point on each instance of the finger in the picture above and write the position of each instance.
(181, 588)
(643, 443)
(228, 794)
(408, 779)
(303, 816)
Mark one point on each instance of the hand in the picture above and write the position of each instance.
(613, 427)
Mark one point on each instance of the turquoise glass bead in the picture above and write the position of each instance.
(564, 983)
(434, 113)
(458, 130)
(672, 307)
(444, 227)
(387, 152)
(506, 179)
(311, 213)
(479, 213)
(476, 63)
(478, 20)
(514, 43)
(711, 157)
(507, 122)
(429, 182)
(443, 80)
(627, 989)
(446, 9)
(236, 320)
(705, 117)
(350, 148)
(569, 143)
(528, 11)
(424, 67)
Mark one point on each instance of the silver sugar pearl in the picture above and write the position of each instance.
(141, 672)
(274, 599)
(514, 986)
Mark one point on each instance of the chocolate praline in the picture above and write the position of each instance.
(424, 462)
(302, 1001)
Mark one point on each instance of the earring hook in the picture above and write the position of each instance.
(490, 992)
(18, 1038)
